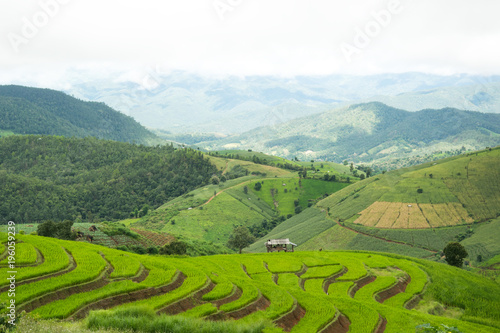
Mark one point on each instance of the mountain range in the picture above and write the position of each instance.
(368, 132)
(182, 102)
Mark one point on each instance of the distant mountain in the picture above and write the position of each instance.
(182, 102)
(26, 110)
(370, 131)
(483, 97)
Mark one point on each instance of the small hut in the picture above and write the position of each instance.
(277, 245)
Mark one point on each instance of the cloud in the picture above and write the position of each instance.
(257, 37)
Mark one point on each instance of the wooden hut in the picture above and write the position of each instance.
(277, 245)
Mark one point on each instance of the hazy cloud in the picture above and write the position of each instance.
(250, 37)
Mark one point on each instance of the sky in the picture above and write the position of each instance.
(42, 39)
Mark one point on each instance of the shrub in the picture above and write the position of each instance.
(455, 254)
(153, 250)
(175, 247)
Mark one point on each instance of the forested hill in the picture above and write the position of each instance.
(370, 132)
(25, 110)
(48, 177)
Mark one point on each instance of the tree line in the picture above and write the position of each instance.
(57, 178)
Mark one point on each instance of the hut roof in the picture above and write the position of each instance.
(282, 241)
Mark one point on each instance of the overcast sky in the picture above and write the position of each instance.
(250, 37)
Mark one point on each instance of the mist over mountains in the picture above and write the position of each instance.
(368, 132)
(182, 102)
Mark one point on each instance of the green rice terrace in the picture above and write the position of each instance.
(318, 291)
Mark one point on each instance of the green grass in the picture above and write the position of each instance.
(368, 292)
(338, 238)
(281, 193)
(475, 296)
(144, 320)
(471, 180)
(281, 302)
(200, 223)
(340, 289)
(299, 229)
(484, 241)
(89, 265)
(24, 254)
(200, 311)
(56, 259)
(64, 308)
(321, 271)
(249, 295)
(223, 288)
(434, 239)
(124, 266)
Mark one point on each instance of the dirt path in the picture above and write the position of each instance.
(378, 237)
(216, 194)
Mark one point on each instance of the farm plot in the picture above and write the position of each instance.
(156, 238)
(296, 292)
(25, 254)
(398, 215)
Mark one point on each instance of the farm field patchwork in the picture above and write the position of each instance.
(296, 292)
(396, 215)
(454, 191)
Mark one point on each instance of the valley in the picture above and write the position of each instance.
(146, 231)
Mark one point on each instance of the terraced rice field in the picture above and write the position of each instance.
(292, 292)
(398, 215)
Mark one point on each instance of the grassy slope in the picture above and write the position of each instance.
(480, 199)
(273, 192)
(484, 241)
(452, 287)
(201, 215)
(476, 187)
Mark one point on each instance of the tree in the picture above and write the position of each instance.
(175, 247)
(257, 186)
(245, 189)
(47, 229)
(455, 254)
(144, 211)
(240, 238)
(61, 230)
(215, 180)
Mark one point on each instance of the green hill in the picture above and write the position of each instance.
(57, 178)
(211, 212)
(26, 110)
(371, 132)
(275, 292)
(414, 211)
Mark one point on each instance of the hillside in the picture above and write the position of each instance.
(414, 211)
(211, 212)
(306, 292)
(371, 132)
(182, 102)
(26, 110)
(478, 96)
(57, 178)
